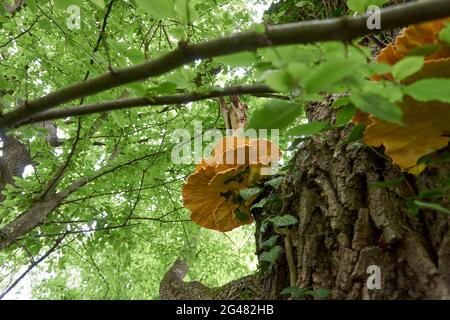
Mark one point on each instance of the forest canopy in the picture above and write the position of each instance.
(94, 93)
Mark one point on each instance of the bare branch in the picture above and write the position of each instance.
(42, 207)
(49, 235)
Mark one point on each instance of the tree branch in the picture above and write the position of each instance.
(151, 101)
(20, 34)
(34, 264)
(339, 29)
(36, 214)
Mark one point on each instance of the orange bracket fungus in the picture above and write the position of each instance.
(426, 124)
(212, 192)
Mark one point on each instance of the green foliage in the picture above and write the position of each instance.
(424, 50)
(297, 293)
(407, 67)
(308, 129)
(344, 115)
(275, 182)
(275, 114)
(159, 8)
(270, 243)
(378, 106)
(283, 221)
(434, 89)
(361, 6)
(356, 133)
(280, 80)
(241, 59)
(126, 227)
(247, 193)
(114, 261)
(431, 205)
(272, 255)
(444, 35)
(327, 74)
(64, 4)
(386, 183)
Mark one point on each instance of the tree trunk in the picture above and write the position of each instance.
(13, 160)
(345, 226)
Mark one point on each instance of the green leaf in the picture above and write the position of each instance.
(424, 50)
(259, 28)
(272, 255)
(260, 204)
(444, 34)
(407, 66)
(411, 207)
(4, 84)
(378, 68)
(32, 5)
(179, 33)
(161, 9)
(247, 193)
(342, 101)
(241, 216)
(281, 56)
(269, 243)
(308, 129)
(185, 10)
(240, 59)
(377, 105)
(64, 4)
(275, 114)
(275, 182)
(430, 193)
(166, 87)
(434, 89)
(386, 183)
(137, 88)
(357, 5)
(321, 293)
(344, 115)
(136, 56)
(361, 6)
(280, 80)
(356, 134)
(295, 292)
(327, 74)
(283, 221)
(119, 118)
(431, 205)
(99, 3)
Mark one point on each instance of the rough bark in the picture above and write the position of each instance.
(15, 157)
(12, 8)
(345, 225)
(173, 287)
